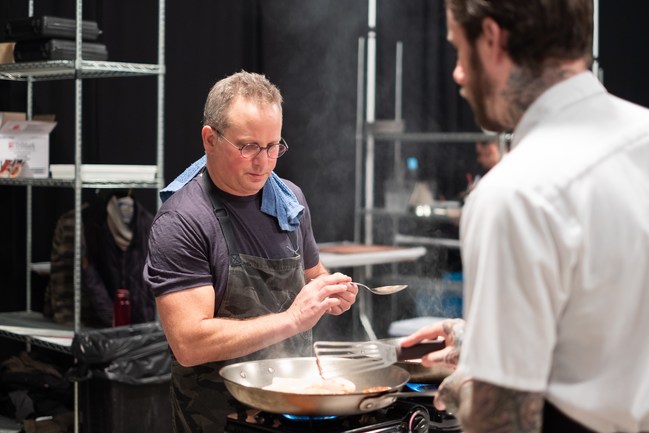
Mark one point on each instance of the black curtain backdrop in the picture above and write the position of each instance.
(309, 49)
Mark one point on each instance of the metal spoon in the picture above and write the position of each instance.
(383, 290)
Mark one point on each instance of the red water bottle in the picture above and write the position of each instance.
(122, 308)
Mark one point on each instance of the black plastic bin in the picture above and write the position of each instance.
(123, 376)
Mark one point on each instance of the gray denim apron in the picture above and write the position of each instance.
(256, 286)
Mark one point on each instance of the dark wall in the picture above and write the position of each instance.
(309, 49)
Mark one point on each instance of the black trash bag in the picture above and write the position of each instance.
(136, 354)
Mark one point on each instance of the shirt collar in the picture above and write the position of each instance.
(555, 99)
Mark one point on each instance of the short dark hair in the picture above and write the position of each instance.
(539, 30)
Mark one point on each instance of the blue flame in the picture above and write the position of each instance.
(419, 387)
(308, 417)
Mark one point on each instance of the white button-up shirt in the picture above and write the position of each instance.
(555, 249)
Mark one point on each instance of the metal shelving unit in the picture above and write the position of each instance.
(370, 131)
(372, 134)
(66, 69)
(32, 328)
(375, 135)
(29, 326)
(52, 182)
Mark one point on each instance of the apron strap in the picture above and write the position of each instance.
(293, 238)
(224, 220)
(556, 421)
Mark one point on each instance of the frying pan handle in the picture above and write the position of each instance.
(385, 400)
(419, 350)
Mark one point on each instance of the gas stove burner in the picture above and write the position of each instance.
(420, 387)
(307, 418)
(401, 417)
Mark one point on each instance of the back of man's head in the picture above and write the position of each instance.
(540, 31)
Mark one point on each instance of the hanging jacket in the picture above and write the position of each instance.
(105, 268)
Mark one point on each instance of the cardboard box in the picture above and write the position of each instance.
(7, 52)
(25, 145)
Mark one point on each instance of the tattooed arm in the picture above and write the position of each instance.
(478, 406)
(452, 330)
(483, 407)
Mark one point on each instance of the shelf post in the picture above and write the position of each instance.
(78, 160)
(359, 140)
(370, 117)
(161, 90)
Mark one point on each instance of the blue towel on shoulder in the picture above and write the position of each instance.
(277, 199)
(184, 177)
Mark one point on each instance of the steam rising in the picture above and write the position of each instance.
(311, 52)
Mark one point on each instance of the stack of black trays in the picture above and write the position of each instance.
(53, 38)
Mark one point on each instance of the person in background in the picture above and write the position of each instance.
(487, 154)
(553, 241)
(230, 252)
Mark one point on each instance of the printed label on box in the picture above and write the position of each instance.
(24, 148)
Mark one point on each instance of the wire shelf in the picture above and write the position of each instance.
(65, 69)
(51, 182)
(33, 328)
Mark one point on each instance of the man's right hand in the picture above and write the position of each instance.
(320, 295)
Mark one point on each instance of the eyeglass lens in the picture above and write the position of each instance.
(253, 149)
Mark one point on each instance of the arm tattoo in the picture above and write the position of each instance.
(484, 407)
(454, 331)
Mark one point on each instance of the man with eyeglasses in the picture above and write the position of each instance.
(229, 255)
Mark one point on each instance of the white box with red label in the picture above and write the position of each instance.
(24, 146)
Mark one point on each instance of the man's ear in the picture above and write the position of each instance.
(495, 37)
(209, 137)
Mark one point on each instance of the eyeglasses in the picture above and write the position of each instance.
(251, 150)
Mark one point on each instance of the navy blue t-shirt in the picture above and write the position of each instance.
(187, 248)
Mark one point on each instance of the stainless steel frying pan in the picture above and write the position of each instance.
(246, 380)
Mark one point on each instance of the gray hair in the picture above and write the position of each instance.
(247, 85)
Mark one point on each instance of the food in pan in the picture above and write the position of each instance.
(336, 385)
